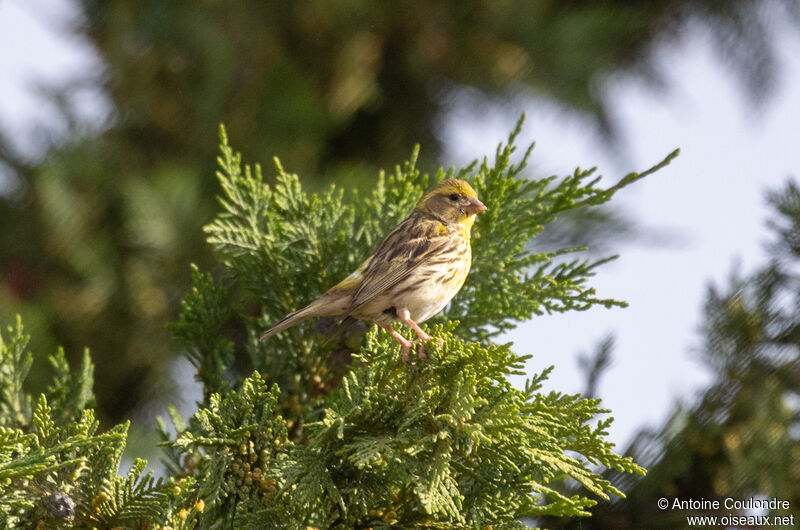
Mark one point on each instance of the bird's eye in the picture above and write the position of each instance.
(453, 197)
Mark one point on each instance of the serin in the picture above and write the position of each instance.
(413, 273)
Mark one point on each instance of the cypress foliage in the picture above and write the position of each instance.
(56, 469)
(323, 426)
(738, 438)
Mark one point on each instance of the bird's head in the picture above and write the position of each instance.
(453, 201)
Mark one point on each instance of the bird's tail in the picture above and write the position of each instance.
(321, 307)
(292, 319)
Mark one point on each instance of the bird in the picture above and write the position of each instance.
(414, 272)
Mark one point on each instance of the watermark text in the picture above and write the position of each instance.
(753, 512)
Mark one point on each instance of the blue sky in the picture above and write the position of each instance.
(711, 199)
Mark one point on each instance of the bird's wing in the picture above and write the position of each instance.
(414, 242)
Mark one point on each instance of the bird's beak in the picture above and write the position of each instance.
(475, 206)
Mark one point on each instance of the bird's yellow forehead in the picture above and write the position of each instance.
(448, 186)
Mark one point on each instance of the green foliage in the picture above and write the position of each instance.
(57, 470)
(200, 331)
(15, 363)
(447, 443)
(364, 439)
(330, 428)
(114, 205)
(236, 447)
(508, 282)
(287, 247)
(740, 437)
(71, 391)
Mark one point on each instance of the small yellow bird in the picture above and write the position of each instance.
(415, 271)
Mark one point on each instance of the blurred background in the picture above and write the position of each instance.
(108, 138)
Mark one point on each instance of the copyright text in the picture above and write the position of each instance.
(732, 519)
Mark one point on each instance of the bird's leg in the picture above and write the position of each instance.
(405, 316)
(406, 345)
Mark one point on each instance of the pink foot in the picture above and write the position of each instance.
(405, 316)
(421, 348)
(404, 355)
(405, 345)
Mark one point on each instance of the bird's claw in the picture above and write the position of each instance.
(421, 349)
(404, 356)
(420, 344)
(407, 349)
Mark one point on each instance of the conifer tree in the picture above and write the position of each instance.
(113, 210)
(740, 437)
(326, 427)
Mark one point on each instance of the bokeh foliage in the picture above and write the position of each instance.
(98, 230)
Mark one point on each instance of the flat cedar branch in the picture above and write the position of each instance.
(325, 427)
